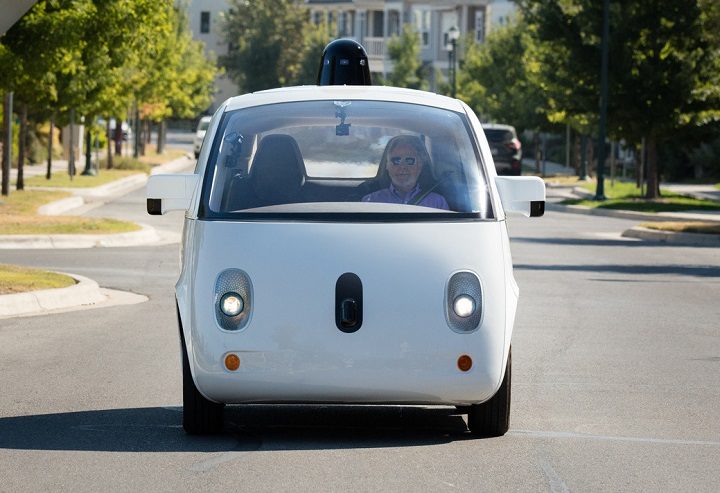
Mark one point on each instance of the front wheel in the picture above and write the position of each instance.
(200, 416)
(492, 418)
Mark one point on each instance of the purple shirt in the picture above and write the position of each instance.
(390, 195)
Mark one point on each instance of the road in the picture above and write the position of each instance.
(616, 385)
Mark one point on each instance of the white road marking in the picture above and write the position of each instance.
(564, 434)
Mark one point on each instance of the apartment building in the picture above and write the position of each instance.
(204, 17)
(372, 23)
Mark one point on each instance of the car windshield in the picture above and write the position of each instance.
(355, 158)
(203, 125)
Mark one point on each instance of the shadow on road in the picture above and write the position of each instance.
(247, 428)
(681, 270)
(620, 242)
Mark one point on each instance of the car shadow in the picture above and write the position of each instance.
(676, 270)
(611, 242)
(247, 428)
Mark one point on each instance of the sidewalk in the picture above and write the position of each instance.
(84, 199)
(85, 293)
(557, 193)
(551, 168)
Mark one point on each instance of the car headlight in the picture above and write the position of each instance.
(233, 299)
(232, 304)
(463, 302)
(464, 306)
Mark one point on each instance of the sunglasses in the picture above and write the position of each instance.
(406, 160)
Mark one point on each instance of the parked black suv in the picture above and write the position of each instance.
(505, 147)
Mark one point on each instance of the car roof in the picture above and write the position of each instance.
(498, 126)
(317, 93)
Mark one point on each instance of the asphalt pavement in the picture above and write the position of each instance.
(86, 292)
(110, 200)
(615, 384)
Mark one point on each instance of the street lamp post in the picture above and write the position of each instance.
(600, 190)
(453, 35)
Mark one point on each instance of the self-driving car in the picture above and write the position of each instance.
(345, 245)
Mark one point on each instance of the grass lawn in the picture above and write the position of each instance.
(625, 196)
(18, 217)
(15, 279)
(685, 227)
(62, 180)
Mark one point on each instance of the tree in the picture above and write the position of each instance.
(663, 66)
(84, 55)
(404, 51)
(265, 40)
(499, 78)
(315, 39)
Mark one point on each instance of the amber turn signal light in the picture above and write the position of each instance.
(464, 362)
(232, 362)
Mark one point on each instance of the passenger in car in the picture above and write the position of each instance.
(405, 158)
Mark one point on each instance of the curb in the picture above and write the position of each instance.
(60, 207)
(687, 239)
(146, 235)
(85, 292)
(640, 216)
(101, 194)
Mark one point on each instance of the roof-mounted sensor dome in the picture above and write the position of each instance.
(344, 62)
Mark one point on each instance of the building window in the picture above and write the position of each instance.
(204, 22)
(422, 26)
(342, 24)
(480, 26)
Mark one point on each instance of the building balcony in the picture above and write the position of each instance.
(375, 48)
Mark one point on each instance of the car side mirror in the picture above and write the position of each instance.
(522, 194)
(170, 192)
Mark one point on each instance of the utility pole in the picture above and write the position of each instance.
(600, 190)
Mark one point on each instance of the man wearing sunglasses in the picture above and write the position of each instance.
(405, 158)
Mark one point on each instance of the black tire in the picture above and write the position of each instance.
(200, 416)
(492, 418)
(197, 155)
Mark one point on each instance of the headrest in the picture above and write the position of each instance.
(278, 170)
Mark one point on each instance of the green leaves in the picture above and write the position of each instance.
(404, 51)
(266, 40)
(96, 56)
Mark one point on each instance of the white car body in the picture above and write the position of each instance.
(200, 134)
(291, 346)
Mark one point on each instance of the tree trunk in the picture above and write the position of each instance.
(576, 153)
(143, 136)
(109, 144)
(653, 183)
(88, 148)
(536, 145)
(161, 137)
(118, 138)
(22, 147)
(48, 174)
(7, 143)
